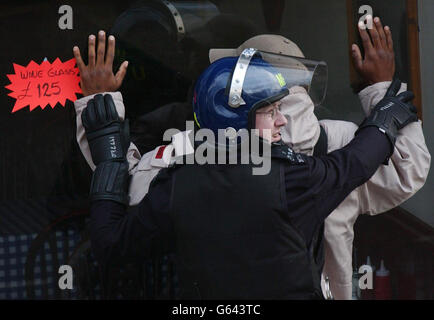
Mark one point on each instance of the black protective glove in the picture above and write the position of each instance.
(392, 113)
(109, 140)
(108, 137)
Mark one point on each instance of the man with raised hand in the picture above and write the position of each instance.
(236, 235)
(390, 186)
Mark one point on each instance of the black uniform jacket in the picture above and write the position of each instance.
(311, 191)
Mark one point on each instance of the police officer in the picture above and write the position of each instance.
(235, 235)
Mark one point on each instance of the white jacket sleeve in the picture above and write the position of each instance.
(408, 167)
(133, 154)
(155, 160)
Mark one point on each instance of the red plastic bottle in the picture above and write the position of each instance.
(382, 289)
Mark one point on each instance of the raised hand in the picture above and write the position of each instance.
(378, 64)
(98, 76)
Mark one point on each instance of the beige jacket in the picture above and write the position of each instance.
(390, 186)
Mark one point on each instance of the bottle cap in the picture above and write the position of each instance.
(369, 263)
(382, 272)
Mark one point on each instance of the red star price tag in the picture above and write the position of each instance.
(44, 84)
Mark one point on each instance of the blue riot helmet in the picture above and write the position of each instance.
(231, 89)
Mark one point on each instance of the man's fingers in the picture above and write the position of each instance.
(406, 96)
(110, 52)
(393, 88)
(88, 115)
(367, 44)
(84, 119)
(413, 109)
(389, 39)
(91, 51)
(380, 31)
(100, 108)
(78, 59)
(110, 107)
(374, 33)
(101, 48)
(120, 75)
(357, 56)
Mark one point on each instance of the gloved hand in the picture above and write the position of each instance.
(392, 113)
(109, 140)
(108, 137)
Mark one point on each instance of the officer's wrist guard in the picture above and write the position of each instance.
(110, 182)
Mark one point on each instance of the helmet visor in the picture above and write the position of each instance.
(292, 71)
